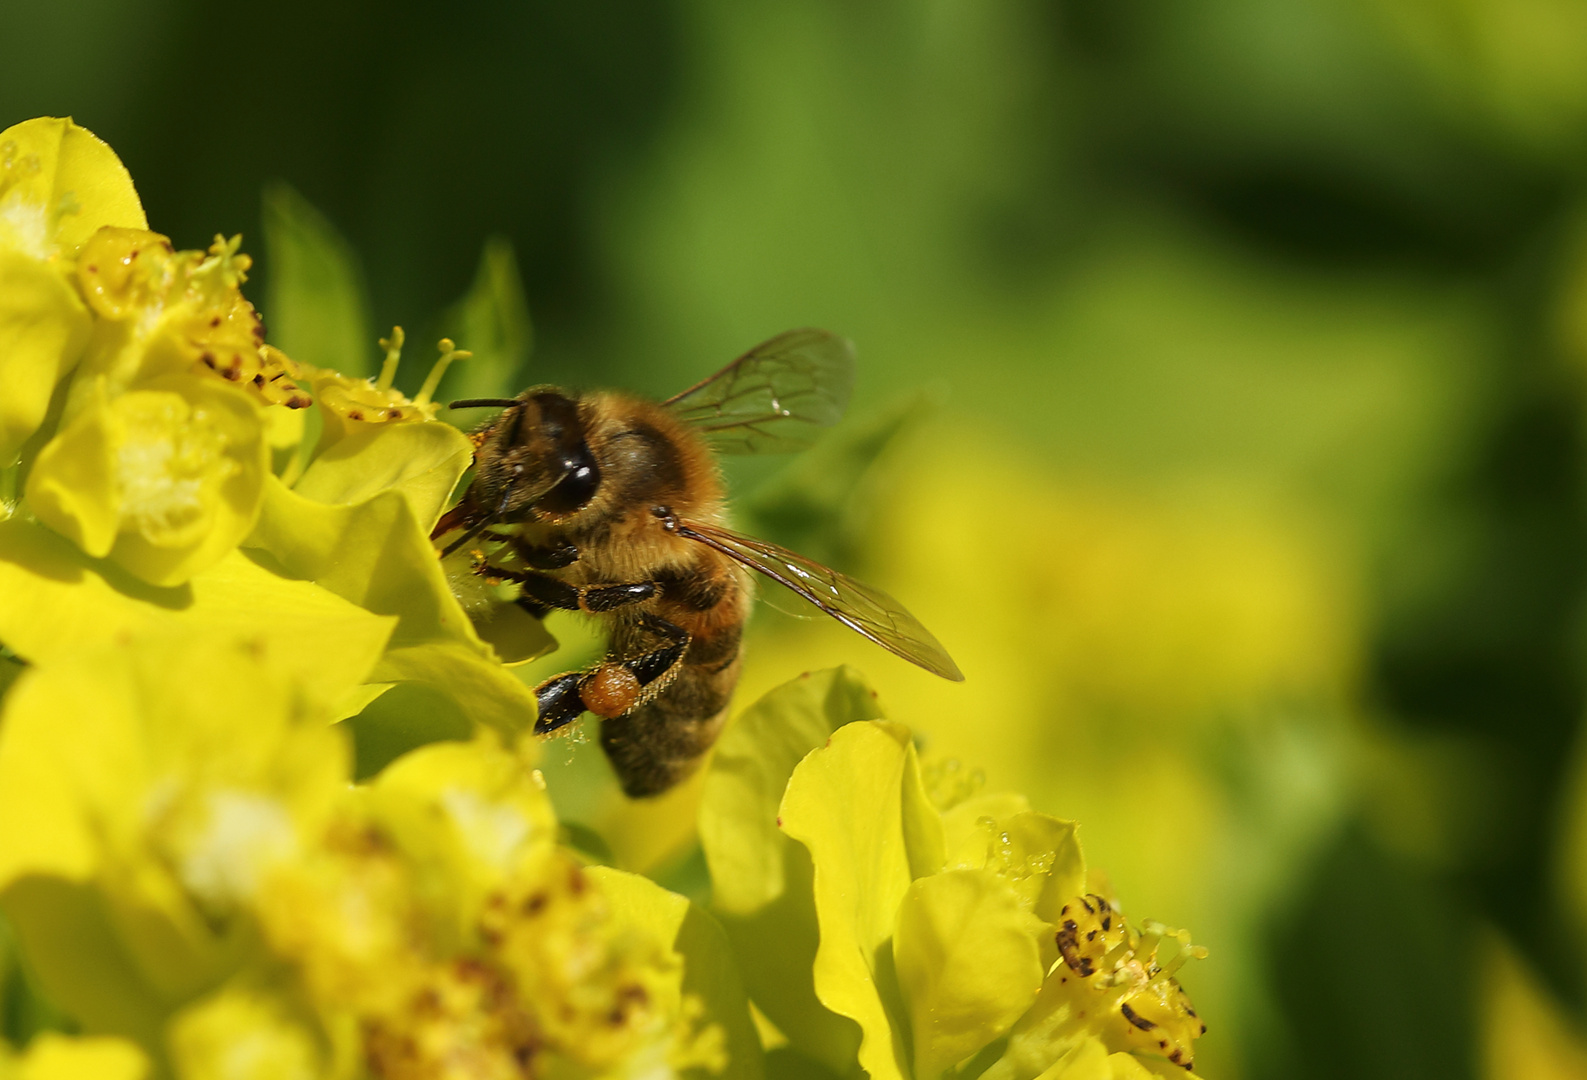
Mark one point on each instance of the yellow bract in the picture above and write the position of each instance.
(58, 185)
(165, 480)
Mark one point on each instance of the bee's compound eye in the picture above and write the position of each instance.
(580, 480)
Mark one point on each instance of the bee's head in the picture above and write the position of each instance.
(535, 461)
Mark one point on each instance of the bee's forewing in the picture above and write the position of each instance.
(862, 608)
(775, 398)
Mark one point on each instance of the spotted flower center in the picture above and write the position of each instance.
(1106, 960)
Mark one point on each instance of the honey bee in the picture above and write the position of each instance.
(611, 505)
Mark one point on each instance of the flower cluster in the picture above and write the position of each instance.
(242, 899)
(926, 929)
(207, 877)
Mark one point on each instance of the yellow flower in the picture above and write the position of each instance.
(1109, 986)
(58, 185)
(244, 1034)
(193, 828)
(162, 312)
(947, 925)
(165, 480)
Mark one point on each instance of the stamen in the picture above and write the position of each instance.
(224, 268)
(393, 347)
(449, 352)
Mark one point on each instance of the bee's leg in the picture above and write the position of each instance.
(613, 686)
(622, 684)
(534, 610)
(547, 557)
(550, 592)
(559, 702)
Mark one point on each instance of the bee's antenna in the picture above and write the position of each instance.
(483, 403)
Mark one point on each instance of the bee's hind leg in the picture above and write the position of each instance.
(614, 686)
(559, 702)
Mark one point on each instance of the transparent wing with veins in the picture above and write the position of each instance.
(862, 608)
(775, 398)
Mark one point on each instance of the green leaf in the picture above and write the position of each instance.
(709, 971)
(315, 304)
(492, 322)
(968, 964)
(762, 880)
(855, 805)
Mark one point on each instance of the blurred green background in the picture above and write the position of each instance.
(1220, 406)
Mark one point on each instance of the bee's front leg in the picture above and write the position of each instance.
(613, 686)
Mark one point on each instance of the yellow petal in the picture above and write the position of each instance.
(72, 486)
(56, 1057)
(848, 805)
(708, 972)
(72, 177)
(43, 328)
(242, 1034)
(1526, 1034)
(46, 827)
(471, 812)
(165, 480)
(374, 554)
(79, 961)
(423, 461)
(761, 879)
(60, 603)
(968, 963)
